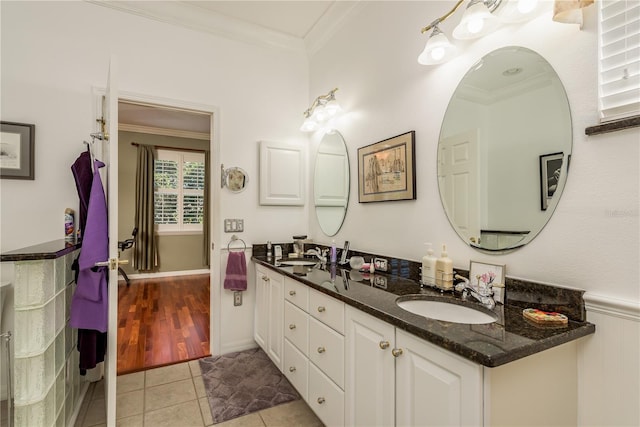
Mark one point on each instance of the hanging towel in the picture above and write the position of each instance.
(236, 276)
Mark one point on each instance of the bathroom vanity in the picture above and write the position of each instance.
(357, 358)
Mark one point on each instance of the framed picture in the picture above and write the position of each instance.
(550, 168)
(482, 274)
(17, 150)
(386, 170)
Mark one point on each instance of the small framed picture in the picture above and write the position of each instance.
(482, 274)
(550, 168)
(386, 170)
(17, 150)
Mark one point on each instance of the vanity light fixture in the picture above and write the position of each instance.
(480, 18)
(323, 108)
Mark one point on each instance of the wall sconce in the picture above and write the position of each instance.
(480, 18)
(322, 109)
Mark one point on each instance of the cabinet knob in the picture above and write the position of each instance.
(396, 352)
(292, 326)
(292, 368)
(384, 345)
(265, 278)
(292, 293)
(320, 400)
(321, 350)
(321, 309)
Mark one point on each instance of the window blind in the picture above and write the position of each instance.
(619, 67)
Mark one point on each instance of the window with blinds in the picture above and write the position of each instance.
(179, 191)
(619, 67)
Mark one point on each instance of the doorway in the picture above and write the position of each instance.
(164, 314)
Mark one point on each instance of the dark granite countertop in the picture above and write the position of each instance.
(49, 250)
(509, 338)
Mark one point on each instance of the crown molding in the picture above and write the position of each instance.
(164, 132)
(329, 24)
(200, 19)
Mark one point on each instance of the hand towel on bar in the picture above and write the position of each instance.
(236, 276)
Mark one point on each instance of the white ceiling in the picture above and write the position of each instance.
(298, 25)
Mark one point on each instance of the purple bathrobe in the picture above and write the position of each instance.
(89, 306)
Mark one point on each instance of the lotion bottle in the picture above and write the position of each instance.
(429, 267)
(444, 270)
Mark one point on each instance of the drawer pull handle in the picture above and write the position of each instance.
(292, 293)
(292, 368)
(396, 352)
(384, 345)
(321, 350)
(320, 400)
(292, 326)
(321, 309)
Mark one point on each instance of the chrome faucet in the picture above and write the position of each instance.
(484, 296)
(320, 254)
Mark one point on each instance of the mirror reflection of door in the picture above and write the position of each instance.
(458, 177)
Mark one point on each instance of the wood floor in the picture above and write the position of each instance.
(162, 321)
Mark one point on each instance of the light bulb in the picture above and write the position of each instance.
(319, 114)
(437, 53)
(309, 125)
(475, 25)
(526, 6)
(332, 108)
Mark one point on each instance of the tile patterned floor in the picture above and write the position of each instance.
(174, 396)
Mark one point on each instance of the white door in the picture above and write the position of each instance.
(110, 159)
(369, 371)
(435, 387)
(459, 182)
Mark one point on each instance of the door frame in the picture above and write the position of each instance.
(214, 195)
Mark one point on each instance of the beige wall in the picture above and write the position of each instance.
(175, 252)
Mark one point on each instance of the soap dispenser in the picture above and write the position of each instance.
(429, 267)
(444, 270)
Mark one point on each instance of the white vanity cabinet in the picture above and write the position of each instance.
(394, 378)
(314, 349)
(269, 313)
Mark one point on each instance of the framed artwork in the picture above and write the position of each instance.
(550, 168)
(17, 142)
(386, 170)
(482, 274)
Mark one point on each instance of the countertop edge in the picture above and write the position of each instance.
(583, 330)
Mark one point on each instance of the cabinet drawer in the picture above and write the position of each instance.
(325, 398)
(296, 327)
(297, 293)
(326, 350)
(328, 310)
(296, 368)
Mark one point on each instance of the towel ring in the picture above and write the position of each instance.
(233, 239)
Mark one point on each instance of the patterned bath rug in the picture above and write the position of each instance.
(243, 382)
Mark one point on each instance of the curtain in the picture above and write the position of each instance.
(145, 255)
(206, 246)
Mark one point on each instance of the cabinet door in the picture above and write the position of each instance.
(369, 371)
(261, 319)
(435, 387)
(282, 178)
(276, 319)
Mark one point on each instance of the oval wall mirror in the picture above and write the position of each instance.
(235, 179)
(331, 182)
(504, 149)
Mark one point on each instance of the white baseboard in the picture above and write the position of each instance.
(168, 274)
(237, 346)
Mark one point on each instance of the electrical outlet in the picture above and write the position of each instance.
(237, 298)
(380, 264)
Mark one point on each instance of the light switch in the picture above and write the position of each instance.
(233, 225)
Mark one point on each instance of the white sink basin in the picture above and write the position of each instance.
(298, 262)
(442, 310)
